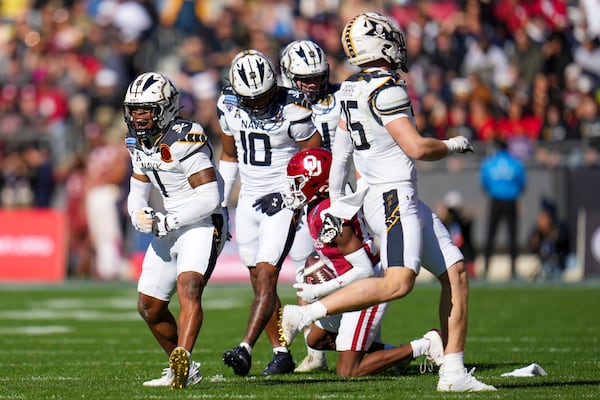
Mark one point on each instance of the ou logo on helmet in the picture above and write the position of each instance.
(312, 165)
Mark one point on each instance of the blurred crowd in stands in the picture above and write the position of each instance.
(526, 72)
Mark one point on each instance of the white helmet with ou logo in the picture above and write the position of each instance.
(305, 59)
(157, 93)
(371, 36)
(253, 80)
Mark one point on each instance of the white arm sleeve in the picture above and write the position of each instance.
(203, 204)
(362, 267)
(229, 171)
(340, 167)
(139, 192)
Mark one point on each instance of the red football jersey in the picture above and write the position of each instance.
(330, 251)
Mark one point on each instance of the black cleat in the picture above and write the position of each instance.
(282, 363)
(239, 360)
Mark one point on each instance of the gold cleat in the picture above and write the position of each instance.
(179, 361)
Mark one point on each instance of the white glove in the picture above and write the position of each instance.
(159, 225)
(307, 292)
(143, 219)
(458, 144)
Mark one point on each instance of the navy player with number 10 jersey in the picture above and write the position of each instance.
(263, 125)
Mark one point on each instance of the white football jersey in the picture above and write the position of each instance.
(265, 145)
(182, 151)
(370, 99)
(325, 115)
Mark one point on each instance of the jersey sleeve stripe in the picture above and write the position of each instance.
(191, 154)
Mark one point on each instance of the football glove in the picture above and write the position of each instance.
(225, 212)
(332, 228)
(458, 144)
(159, 225)
(307, 292)
(143, 219)
(270, 204)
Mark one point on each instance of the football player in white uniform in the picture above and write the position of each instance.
(173, 155)
(304, 66)
(263, 125)
(377, 127)
(355, 335)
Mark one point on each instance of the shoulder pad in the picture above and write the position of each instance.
(189, 137)
(184, 130)
(390, 99)
(227, 90)
(358, 76)
(369, 75)
(228, 98)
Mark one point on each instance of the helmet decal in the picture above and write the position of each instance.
(156, 93)
(308, 174)
(312, 165)
(371, 36)
(253, 81)
(304, 59)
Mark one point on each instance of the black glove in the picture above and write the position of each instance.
(225, 212)
(270, 204)
(332, 228)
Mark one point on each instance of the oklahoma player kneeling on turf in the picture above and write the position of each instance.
(356, 336)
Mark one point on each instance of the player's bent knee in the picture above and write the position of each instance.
(151, 310)
(348, 371)
(190, 285)
(397, 283)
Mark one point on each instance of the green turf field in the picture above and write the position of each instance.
(84, 340)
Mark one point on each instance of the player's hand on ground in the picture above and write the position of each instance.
(270, 204)
(332, 228)
(159, 225)
(142, 220)
(306, 291)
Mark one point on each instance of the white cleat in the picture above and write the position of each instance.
(435, 353)
(194, 377)
(314, 361)
(461, 381)
(291, 321)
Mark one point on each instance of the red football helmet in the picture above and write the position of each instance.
(308, 173)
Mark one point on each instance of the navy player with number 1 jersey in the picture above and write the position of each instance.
(174, 156)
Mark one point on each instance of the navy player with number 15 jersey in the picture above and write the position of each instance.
(378, 130)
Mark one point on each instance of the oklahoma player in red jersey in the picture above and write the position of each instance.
(356, 336)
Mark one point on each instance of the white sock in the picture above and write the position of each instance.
(247, 347)
(314, 311)
(454, 362)
(280, 349)
(306, 332)
(419, 346)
